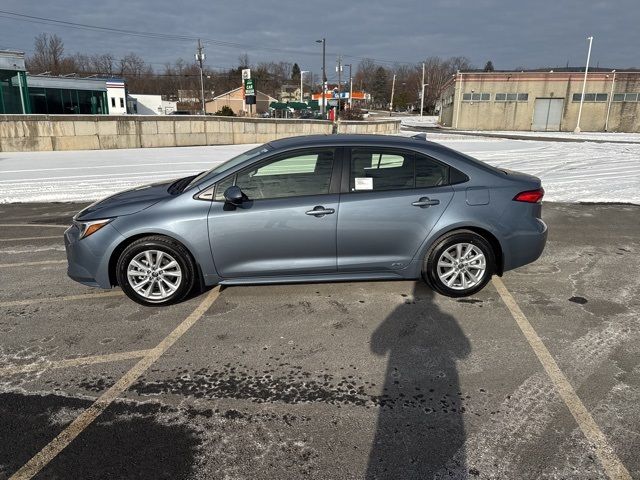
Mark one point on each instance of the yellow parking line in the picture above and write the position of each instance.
(73, 362)
(23, 239)
(31, 264)
(607, 456)
(53, 448)
(48, 225)
(84, 296)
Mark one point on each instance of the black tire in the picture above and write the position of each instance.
(430, 268)
(168, 246)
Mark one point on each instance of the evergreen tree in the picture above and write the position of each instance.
(295, 72)
(488, 67)
(380, 89)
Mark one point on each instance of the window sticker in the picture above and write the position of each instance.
(364, 183)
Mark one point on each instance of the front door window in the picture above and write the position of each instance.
(295, 175)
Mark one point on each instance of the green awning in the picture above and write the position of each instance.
(298, 105)
(278, 106)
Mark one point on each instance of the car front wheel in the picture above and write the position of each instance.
(460, 264)
(155, 271)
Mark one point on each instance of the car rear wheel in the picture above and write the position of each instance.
(155, 271)
(459, 264)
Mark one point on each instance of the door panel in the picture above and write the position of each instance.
(547, 114)
(382, 231)
(274, 237)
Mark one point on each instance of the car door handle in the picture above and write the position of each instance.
(425, 202)
(320, 211)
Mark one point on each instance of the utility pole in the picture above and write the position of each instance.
(302, 72)
(339, 70)
(200, 59)
(584, 85)
(393, 89)
(350, 85)
(324, 73)
(422, 92)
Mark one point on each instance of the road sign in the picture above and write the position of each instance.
(249, 87)
(246, 73)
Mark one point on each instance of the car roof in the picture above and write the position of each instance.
(351, 139)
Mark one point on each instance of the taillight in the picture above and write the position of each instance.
(530, 196)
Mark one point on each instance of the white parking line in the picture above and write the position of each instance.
(607, 456)
(73, 362)
(53, 448)
(31, 264)
(23, 239)
(50, 225)
(84, 296)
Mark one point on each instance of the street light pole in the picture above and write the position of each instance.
(200, 59)
(613, 82)
(339, 70)
(302, 72)
(584, 85)
(422, 92)
(324, 72)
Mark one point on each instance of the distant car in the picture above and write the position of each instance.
(311, 209)
(180, 112)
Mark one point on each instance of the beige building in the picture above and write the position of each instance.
(542, 101)
(234, 99)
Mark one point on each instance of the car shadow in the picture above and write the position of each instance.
(420, 423)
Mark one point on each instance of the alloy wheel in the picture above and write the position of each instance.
(154, 275)
(461, 266)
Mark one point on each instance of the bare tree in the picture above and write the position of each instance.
(48, 54)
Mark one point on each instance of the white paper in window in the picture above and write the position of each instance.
(364, 183)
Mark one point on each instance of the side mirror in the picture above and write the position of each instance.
(234, 195)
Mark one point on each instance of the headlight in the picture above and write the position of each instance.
(91, 227)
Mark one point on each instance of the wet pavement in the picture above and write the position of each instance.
(327, 381)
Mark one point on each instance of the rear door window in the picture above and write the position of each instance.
(377, 170)
(430, 173)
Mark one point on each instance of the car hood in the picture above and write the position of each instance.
(127, 202)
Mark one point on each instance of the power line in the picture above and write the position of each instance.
(185, 38)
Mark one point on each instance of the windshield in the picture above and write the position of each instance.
(249, 154)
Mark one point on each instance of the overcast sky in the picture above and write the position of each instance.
(525, 33)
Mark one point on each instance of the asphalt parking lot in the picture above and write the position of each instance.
(327, 381)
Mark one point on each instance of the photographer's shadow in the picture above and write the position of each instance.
(420, 424)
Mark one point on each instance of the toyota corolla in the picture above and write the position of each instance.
(314, 209)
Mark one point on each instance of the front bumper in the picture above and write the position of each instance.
(88, 259)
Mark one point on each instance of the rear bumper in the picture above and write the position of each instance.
(525, 247)
(88, 259)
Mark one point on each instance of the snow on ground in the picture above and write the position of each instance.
(570, 172)
(418, 121)
(92, 174)
(600, 136)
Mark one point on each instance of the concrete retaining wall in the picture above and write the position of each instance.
(84, 132)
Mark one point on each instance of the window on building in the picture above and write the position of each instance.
(630, 97)
(591, 97)
(618, 97)
(121, 102)
(113, 101)
(512, 97)
(476, 97)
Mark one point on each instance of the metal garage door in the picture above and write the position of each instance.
(547, 114)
